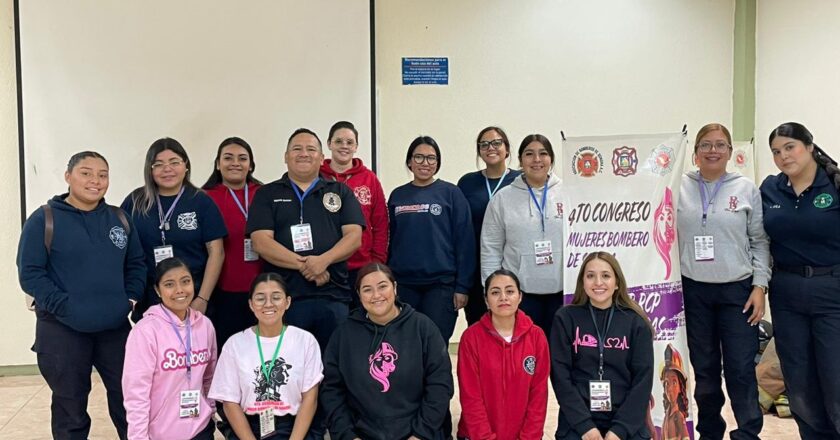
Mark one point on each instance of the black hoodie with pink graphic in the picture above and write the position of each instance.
(386, 382)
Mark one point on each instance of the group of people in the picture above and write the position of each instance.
(310, 303)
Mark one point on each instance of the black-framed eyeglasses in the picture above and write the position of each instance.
(420, 158)
(705, 147)
(495, 143)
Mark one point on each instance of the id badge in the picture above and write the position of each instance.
(190, 400)
(543, 253)
(163, 252)
(704, 248)
(302, 237)
(266, 422)
(250, 255)
(599, 396)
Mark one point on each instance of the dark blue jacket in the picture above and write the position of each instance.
(91, 271)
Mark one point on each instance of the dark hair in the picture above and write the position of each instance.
(536, 138)
(502, 135)
(168, 264)
(371, 268)
(268, 277)
(420, 140)
(304, 131)
(80, 156)
(215, 178)
(499, 273)
(795, 130)
(343, 124)
(144, 197)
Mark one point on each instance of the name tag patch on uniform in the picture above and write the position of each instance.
(823, 200)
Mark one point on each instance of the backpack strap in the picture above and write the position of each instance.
(123, 219)
(49, 226)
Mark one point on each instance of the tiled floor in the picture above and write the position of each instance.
(25, 403)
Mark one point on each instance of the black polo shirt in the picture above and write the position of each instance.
(329, 206)
(804, 230)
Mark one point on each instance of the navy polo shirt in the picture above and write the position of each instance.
(329, 206)
(804, 230)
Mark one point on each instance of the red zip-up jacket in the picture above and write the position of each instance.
(503, 385)
(368, 192)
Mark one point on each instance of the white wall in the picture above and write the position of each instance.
(797, 71)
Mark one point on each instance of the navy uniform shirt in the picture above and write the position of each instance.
(329, 206)
(804, 230)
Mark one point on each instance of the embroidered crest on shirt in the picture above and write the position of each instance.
(382, 364)
(823, 200)
(188, 221)
(530, 365)
(435, 209)
(362, 194)
(332, 202)
(733, 203)
(118, 237)
(269, 390)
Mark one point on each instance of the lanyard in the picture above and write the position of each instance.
(708, 202)
(540, 208)
(601, 338)
(164, 219)
(487, 182)
(188, 345)
(267, 370)
(305, 193)
(242, 209)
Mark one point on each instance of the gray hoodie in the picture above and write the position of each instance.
(512, 226)
(734, 219)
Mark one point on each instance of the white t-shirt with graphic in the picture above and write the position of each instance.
(239, 378)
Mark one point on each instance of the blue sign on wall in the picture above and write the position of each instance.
(419, 71)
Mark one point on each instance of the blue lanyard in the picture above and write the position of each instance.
(487, 182)
(305, 193)
(164, 219)
(540, 208)
(242, 209)
(188, 345)
(703, 199)
(601, 338)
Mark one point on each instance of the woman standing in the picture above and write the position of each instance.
(602, 357)
(493, 147)
(432, 243)
(503, 365)
(232, 186)
(802, 218)
(267, 377)
(523, 232)
(343, 167)
(81, 260)
(725, 259)
(176, 219)
(397, 388)
(169, 360)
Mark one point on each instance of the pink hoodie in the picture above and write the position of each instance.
(155, 373)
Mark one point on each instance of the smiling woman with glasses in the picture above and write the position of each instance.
(493, 148)
(176, 219)
(267, 376)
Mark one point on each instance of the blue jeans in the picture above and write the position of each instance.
(806, 322)
(718, 330)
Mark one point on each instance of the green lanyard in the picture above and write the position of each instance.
(267, 370)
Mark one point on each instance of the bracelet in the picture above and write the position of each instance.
(200, 297)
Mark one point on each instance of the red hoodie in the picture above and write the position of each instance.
(368, 192)
(503, 385)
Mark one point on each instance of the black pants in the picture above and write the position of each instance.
(283, 428)
(718, 331)
(806, 324)
(541, 309)
(230, 314)
(352, 275)
(206, 433)
(66, 359)
(476, 307)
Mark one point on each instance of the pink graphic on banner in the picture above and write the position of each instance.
(663, 230)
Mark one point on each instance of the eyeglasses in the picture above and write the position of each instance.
(174, 163)
(495, 143)
(420, 158)
(705, 147)
(262, 300)
(347, 142)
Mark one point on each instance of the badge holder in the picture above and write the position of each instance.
(190, 403)
(250, 254)
(302, 237)
(704, 248)
(266, 423)
(163, 252)
(543, 253)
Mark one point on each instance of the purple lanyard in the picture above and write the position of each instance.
(164, 219)
(242, 209)
(703, 199)
(188, 345)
